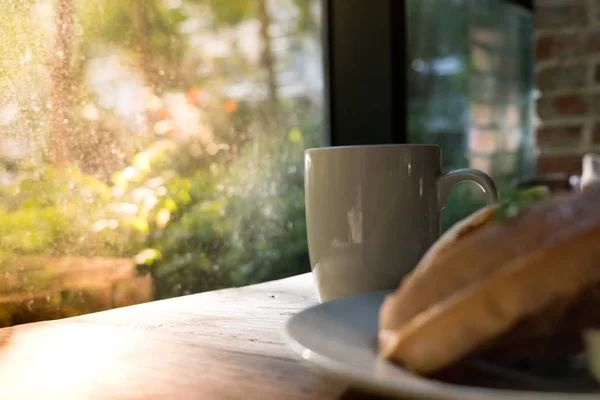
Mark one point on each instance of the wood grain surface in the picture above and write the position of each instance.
(218, 345)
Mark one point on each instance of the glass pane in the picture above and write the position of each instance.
(152, 148)
(470, 90)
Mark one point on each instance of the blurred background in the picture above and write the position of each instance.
(154, 148)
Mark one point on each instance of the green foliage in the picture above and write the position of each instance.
(99, 20)
(307, 20)
(513, 205)
(195, 218)
(194, 221)
(231, 12)
(147, 30)
(60, 211)
(49, 213)
(244, 222)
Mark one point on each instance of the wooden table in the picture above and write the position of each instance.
(218, 345)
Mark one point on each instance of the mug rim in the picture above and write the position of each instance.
(371, 146)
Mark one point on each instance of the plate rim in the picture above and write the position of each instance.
(432, 390)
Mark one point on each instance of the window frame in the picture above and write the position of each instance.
(366, 103)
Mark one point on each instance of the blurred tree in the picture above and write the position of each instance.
(138, 12)
(146, 29)
(226, 208)
(234, 12)
(60, 141)
(267, 55)
(308, 20)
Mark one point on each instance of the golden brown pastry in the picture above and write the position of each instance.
(554, 333)
(481, 289)
(396, 310)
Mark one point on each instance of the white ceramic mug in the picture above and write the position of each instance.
(373, 211)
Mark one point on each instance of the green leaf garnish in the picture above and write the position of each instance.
(520, 201)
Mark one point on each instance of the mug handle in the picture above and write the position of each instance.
(448, 180)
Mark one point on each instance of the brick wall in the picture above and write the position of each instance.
(495, 87)
(499, 91)
(567, 51)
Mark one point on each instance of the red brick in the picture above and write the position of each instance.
(571, 104)
(561, 77)
(560, 15)
(482, 163)
(487, 36)
(481, 114)
(570, 164)
(564, 45)
(565, 105)
(483, 60)
(560, 136)
(558, 45)
(486, 115)
(482, 141)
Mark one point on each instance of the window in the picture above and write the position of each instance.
(457, 73)
(470, 90)
(152, 148)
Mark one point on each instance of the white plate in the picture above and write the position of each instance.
(339, 338)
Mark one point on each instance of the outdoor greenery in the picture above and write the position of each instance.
(202, 188)
(238, 226)
(173, 131)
